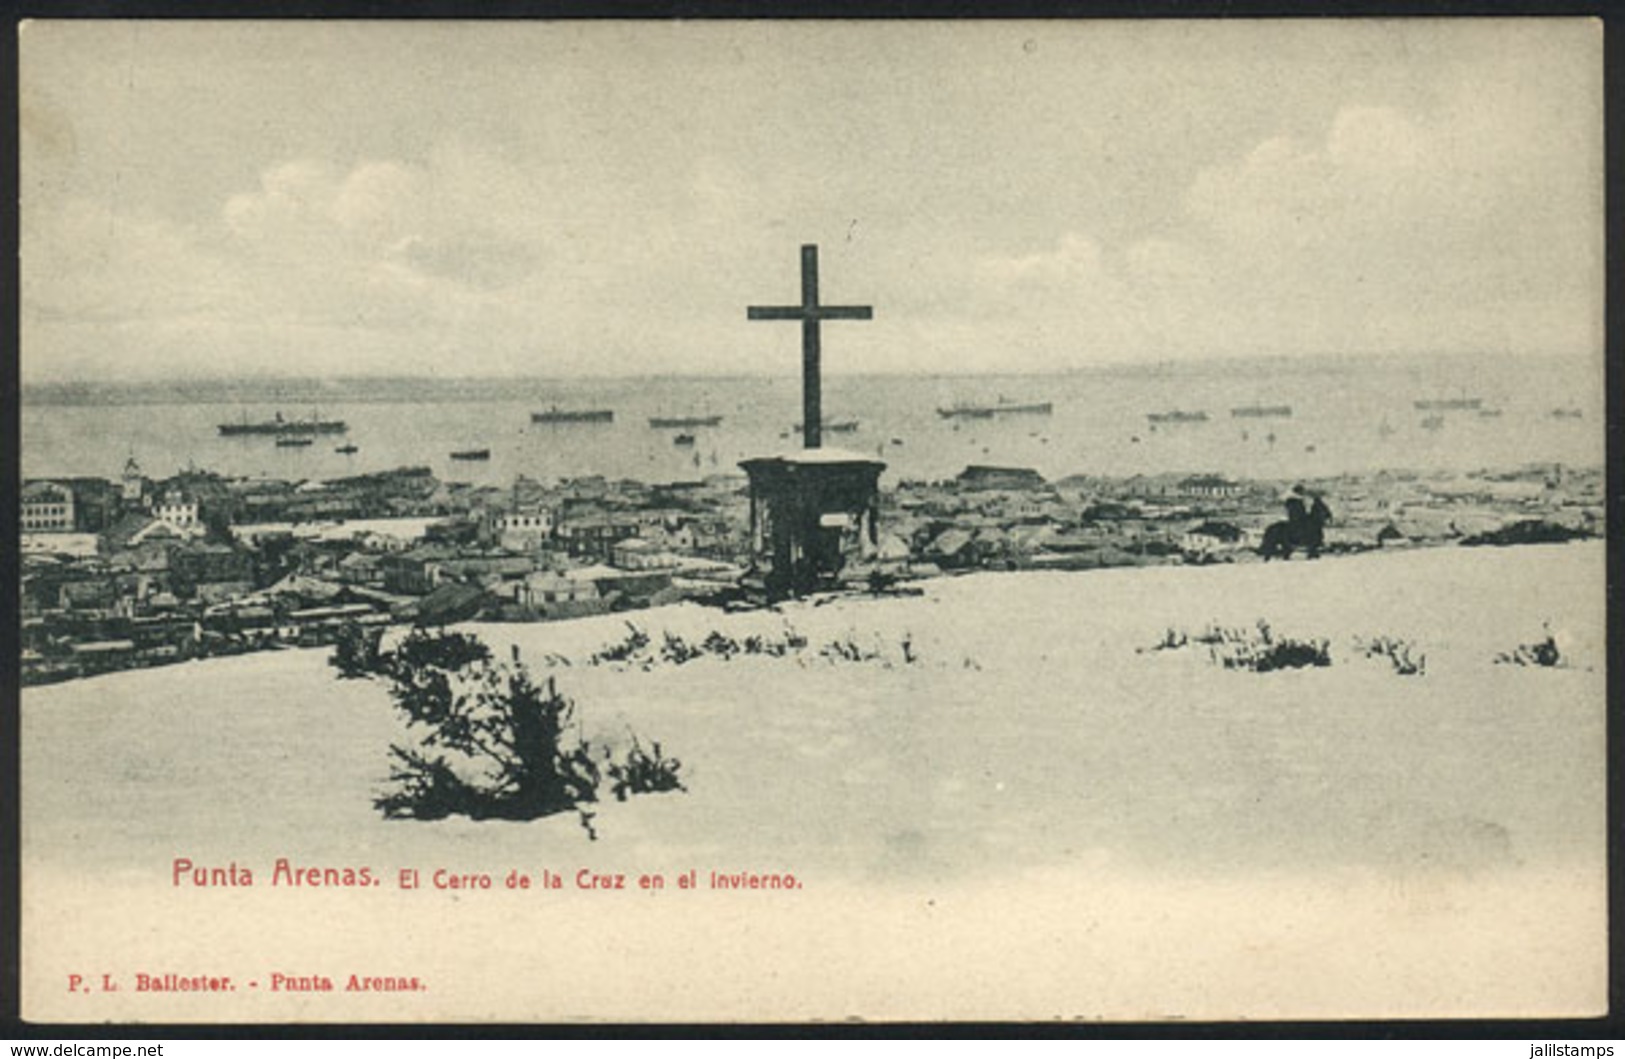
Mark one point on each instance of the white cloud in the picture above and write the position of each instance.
(1368, 238)
(1065, 210)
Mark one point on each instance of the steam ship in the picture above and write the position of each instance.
(1176, 416)
(683, 422)
(556, 414)
(1003, 407)
(280, 426)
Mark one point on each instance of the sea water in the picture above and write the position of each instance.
(1348, 415)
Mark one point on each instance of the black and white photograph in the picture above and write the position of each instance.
(804, 521)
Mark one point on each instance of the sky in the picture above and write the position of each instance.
(559, 199)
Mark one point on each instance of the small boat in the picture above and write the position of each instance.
(289, 442)
(683, 440)
(1177, 416)
(683, 422)
(472, 454)
(347, 450)
(556, 414)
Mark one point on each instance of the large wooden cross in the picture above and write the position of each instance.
(810, 313)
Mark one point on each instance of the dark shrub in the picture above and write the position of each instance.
(497, 744)
(644, 773)
(355, 653)
(1543, 653)
(1399, 654)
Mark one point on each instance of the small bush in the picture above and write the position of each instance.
(1401, 654)
(1213, 635)
(1270, 655)
(644, 772)
(676, 650)
(1542, 653)
(1172, 640)
(636, 642)
(847, 650)
(724, 647)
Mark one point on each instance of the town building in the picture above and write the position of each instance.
(177, 508)
(47, 508)
(596, 536)
(521, 530)
(1209, 487)
(981, 477)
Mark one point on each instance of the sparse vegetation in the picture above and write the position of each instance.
(635, 643)
(1269, 655)
(1544, 653)
(1401, 654)
(644, 772)
(496, 743)
(1258, 650)
(636, 649)
(1172, 640)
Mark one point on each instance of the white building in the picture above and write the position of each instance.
(552, 586)
(47, 508)
(177, 509)
(522, 530)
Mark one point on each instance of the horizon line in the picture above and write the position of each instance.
(1074, 369)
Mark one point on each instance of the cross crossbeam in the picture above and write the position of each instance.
(811, 314)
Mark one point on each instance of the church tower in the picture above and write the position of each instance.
(134, 483)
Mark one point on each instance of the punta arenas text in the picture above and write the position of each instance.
(283, 873)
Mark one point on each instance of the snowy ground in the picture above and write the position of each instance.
(1040, 817)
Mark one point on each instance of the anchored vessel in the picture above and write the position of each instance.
(282, 426)
(683, 422)
(1262, 411)
(1003, 407)
(1176, 416)
(472, 454)
(556, 414)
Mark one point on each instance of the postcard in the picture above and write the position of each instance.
(807, 521)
